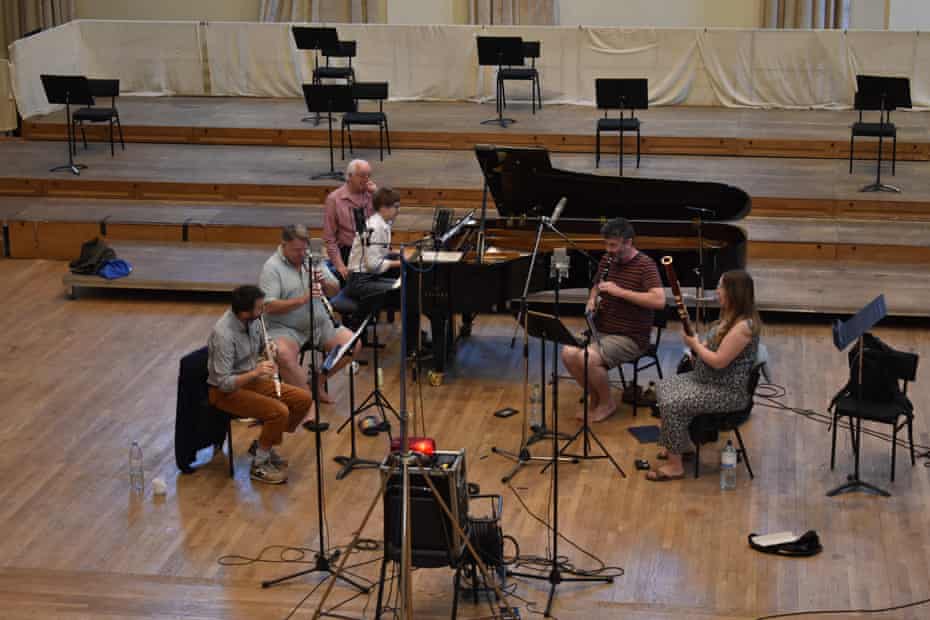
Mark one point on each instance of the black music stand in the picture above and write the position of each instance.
(352, 461)
(68, 89)
(316, 39)
(548, 327)
(376, 399)
(884, 94)
(843, 334)
(329, 98)
(497, 52)
(623, 94)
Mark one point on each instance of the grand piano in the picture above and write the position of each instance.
(688, 220)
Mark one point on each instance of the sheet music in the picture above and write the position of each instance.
(442, 256)
(336, 354)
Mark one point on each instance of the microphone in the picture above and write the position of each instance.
(560, 263)
(557, 212)
(316, 251)
(360, 224)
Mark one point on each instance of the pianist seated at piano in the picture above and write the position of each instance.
(625, 293)
(373, 267)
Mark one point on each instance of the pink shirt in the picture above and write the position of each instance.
(338, 221)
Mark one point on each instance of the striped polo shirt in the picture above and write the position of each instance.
(618, 316)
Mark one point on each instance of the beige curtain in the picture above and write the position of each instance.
(20, 16)
(338, 11)
(514, 12)
(815, 14)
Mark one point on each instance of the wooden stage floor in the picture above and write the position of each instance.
(81, 380)
(778, 186)
(457, 125)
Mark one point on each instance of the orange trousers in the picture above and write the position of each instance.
(257, 400)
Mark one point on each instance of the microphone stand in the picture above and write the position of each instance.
(585, 432)
(523, 456)
(558, 571)
(324, 559)
(699, 270)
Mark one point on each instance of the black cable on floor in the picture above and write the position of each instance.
(795, 614)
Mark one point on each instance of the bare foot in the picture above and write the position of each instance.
(602, 412)
(665, 473)
(593, 402)
(322, 394)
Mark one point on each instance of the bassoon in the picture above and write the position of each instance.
(676, 292)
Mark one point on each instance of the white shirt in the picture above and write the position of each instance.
(379, 241)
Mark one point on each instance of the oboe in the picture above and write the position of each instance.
(277, 377)
(676, 292)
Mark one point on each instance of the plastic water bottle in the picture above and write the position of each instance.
(728, 467)
(136, 475)
(536, 406)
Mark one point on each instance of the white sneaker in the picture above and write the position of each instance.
(276, 459)
(267, 472)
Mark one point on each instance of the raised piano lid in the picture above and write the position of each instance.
(524, 183)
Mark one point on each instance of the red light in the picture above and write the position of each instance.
(421, 445)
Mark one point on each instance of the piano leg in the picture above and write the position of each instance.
(439, 325)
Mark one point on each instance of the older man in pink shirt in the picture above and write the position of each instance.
(338, 218)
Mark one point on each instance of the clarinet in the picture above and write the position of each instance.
(676, 292)
(313, 259)
(326, 305)
(277, 377)
(601, 277)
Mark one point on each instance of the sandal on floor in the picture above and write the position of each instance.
(657, 475)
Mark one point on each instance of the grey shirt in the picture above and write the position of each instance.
(233, 350)
(282, 280)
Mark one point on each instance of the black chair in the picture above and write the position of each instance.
(883, 128)
(94, 114)
(624, 95)
(897, 413)
(346, 50)
(659, 321)
(367, 91)
(197, 423)
(706, 428)
(530, 74)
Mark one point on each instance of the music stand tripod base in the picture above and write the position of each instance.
(74, 168)
(855, 485)
(881, 187)
(525, 458)
(502, 122)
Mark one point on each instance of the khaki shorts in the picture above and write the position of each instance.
(616, 350)
(324, 332)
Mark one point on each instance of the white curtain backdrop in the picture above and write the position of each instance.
(787, 69)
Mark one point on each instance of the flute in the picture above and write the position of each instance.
(277, 377)
(676, 292)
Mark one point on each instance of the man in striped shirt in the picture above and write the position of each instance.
(627, 290)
